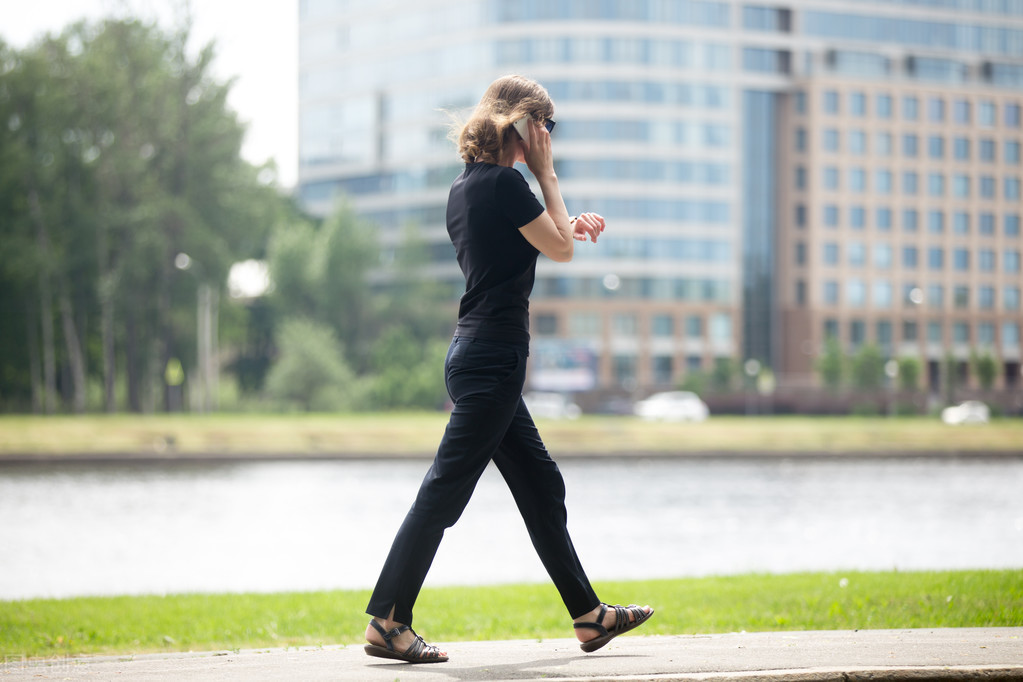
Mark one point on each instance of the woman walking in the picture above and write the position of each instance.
(498, 229)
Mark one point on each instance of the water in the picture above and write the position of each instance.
(73, 530)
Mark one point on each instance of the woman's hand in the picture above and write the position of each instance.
(587, 226)
(536, 151)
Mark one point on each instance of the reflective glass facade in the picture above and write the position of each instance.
(717, 139)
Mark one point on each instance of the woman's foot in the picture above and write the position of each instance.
(391, 639)
(604, 623)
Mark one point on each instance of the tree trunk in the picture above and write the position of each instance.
(45, 307)
(32, 332)
(74, 352)
(107, 339)
(131, 353)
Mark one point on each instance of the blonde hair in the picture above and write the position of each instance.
(489, 128)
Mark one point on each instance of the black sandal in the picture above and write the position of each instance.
(418, 652)
(622, 624)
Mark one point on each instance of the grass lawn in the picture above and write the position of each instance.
(812, 601)
(417, 434)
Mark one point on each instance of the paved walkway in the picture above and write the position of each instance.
(842, 656)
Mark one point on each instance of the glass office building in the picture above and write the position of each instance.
(757, 164)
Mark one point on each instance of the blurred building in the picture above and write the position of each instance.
(772, 174)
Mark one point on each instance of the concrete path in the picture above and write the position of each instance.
(842, 656)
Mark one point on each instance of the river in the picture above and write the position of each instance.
(68, 530)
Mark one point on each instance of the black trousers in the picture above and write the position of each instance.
(489, 422)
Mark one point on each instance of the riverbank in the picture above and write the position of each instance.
(245, 436)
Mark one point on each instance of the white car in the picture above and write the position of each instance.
(551, 406)
(672, 406)
(969, 412)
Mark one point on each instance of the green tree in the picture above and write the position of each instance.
(723, 375)
(407, 372)
(831, 364)
(868, 368)
(985, 366)
(310, 373)
(909, 373)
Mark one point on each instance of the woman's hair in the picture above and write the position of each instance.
(508, 99)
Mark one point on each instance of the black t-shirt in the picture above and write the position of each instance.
(486, 207)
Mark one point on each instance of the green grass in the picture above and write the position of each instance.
(812, 601)
(417, 434)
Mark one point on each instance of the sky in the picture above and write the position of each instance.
(257, 44)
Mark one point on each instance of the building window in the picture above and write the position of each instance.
(1010, 335)
(986, 224)
(986, 260)
(910, 108)
(882, 256)
(884, 333)
(1010, 298)
(910, 145)
(883, 106)
(1011, 224)
(855, 293)
(934, 334)
(986, 298)
(1012, 188)
(831, 102)
(831, 292)
(961, 222)
(800, 102)
(831, 253)
(986, 333)
(800, 215)
(960, 186)
(987, 187)
(961, 296)
(882, 294)
(831, 215)
(546, 324)
(910, 220)
(857, 332)
(883, 219)
(857, 254)
(936, 184)
(1012, 115)
(624, 324)
(883, 144)
(585, 324)
(858, 104)
(720, 328)
(883, 181)
(909, 257)
(910, 183)
(987, 150)
(831, 140)
(857, 217)
(935, 296)
(800, 177)
(800, 139)
(961, 332)
(625, 370)
(935, 109)
(694, 327)
(663, 369)
(830, 177)
(858, 180)
(961, 260)
(831, 330)
(662, 325)
(1011, 154)
(961, 148)
(1010, 260)
(800, 292)
(909, 331)
(800, 253)
(857, 142)
(986, 114)
(936, 258)
(936, 222)
(961, 111)
(936, 147)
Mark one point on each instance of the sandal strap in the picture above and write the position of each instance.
(388, 635)
(420, 649)
(598, 625)
(622, 614)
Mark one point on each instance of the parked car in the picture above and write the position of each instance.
(672, 406)
(551, 406)
(969, 412)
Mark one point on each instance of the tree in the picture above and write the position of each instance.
(408, 372)
(909, 373)
(986, 368)
(868, 368)
(831, 364)
(310, 373)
